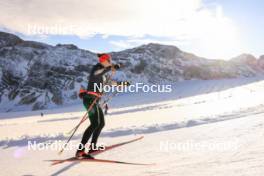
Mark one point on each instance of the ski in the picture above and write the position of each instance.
(116, 145)
(99, 160)
(98, 151)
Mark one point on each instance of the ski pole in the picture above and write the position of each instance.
(84, 116)
(109, 98)
(83, 119)
(75, 129)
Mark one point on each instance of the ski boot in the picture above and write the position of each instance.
(80, 154)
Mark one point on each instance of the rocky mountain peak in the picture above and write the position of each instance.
(7, 39)
(246, 59)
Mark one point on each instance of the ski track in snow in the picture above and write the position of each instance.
(116, 132)
(219, 110)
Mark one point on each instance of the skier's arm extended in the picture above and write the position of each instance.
(119, 83)
(116, 83)
(102, 71)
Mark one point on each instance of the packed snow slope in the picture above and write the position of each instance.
(202, 128)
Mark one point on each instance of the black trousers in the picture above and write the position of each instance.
(97, 122)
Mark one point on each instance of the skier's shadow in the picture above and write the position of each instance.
(64, 169)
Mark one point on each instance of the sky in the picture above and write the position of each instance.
(215, 29)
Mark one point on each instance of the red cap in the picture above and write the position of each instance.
(104, 57)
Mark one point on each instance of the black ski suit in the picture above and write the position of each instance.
(96, 115)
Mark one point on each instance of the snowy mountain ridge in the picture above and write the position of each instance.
(35, 75)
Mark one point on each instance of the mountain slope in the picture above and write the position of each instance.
(35, 75)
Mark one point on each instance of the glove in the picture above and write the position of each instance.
(123, 83)
(117, 66)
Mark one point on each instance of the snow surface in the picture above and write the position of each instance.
(228, 112)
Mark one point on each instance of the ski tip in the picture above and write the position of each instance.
(54, 162)
(140, 137)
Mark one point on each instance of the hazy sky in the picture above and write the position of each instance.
(209, 28)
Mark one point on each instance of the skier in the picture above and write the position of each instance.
(106, 108)
(91, 97)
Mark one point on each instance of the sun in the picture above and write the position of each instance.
(217, 35)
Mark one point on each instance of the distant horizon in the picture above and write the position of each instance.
(54, 44)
